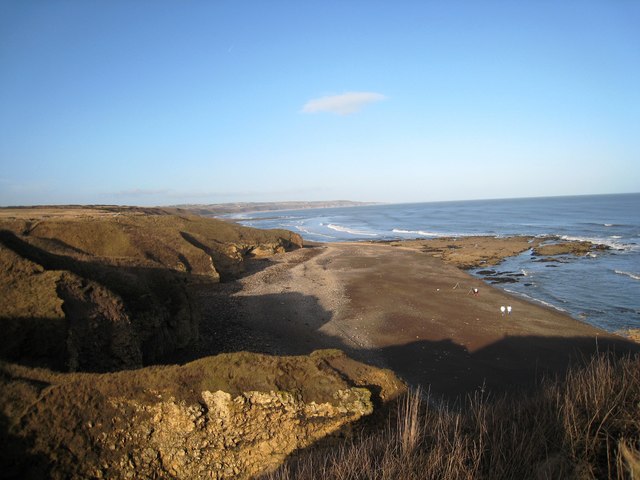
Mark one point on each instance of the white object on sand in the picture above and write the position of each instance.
(502, 309)
(508, 309)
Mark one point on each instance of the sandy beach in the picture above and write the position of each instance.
(398, 308)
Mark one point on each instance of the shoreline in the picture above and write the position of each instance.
(397, 308)
(478, 254)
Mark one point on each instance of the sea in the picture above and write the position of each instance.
(601, 288)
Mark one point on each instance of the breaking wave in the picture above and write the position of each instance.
(350, 231)
(423, 233)
(602, 241)
(309, 232)
(635, 276)
(420, 232)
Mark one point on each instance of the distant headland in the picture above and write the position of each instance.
(244, 207)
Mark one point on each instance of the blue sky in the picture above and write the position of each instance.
(157, 103)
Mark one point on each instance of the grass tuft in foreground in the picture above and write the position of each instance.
(586, 426)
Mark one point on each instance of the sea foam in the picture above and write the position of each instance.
(309, 232)
(423, 233)
(635, 276)
(420, 233)
(602, 241)
(350, 231)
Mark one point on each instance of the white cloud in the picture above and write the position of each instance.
(344, 104)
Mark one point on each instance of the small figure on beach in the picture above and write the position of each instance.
(508, 309)
(502, 309)
(475, 291)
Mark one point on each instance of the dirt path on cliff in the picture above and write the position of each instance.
(397, 308)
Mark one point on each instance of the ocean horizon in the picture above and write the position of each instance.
(601, 288)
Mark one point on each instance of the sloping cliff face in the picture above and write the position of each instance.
(223, 437)
(106, 290)
(229, 416)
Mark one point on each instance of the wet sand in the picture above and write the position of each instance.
(399, 308)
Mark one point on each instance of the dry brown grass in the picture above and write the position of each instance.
(586, 426)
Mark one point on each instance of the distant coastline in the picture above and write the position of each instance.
(590, 287)
(216, 209)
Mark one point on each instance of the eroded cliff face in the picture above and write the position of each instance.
(219, 417)
(223, 437)
(111, 291)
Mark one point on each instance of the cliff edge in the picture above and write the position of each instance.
(103, 290)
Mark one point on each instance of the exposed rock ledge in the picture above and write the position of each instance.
(224, 437)
(483, 251)
(573, 247)
(229, 416)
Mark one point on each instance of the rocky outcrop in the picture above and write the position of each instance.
(223, 437)
(229, 416)
(573, 247)
(484, 251)
(471, 252)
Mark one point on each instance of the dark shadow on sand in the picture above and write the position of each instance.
(447, 369)
(450, 371)
(272, 324)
